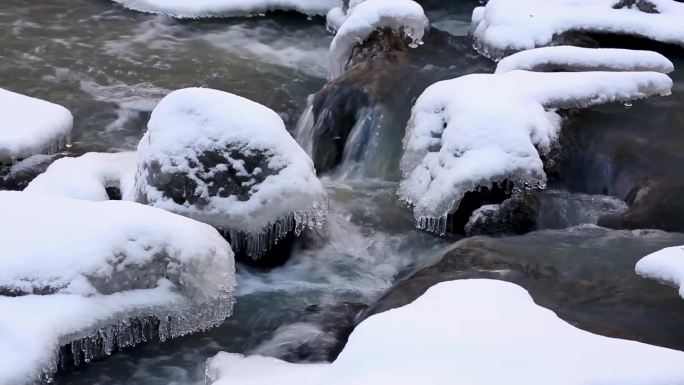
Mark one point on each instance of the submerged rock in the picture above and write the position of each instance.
(593, 286)
(229, 162)
(101, 277)
(475, 331)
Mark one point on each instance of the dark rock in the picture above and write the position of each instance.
(642, 5)
(516, 215)
(593, 286)
(18, 176)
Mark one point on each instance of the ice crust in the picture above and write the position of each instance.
(482, 129)
(100, 276)
(503, 26)
(362, 18)
(31, 126)
(585, 59)
(222, 8)
(190, 122)
(478, 332)
(87, 177)
(666, 266)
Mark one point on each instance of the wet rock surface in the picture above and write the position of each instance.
(361, 116)
(592, 286)
(516, 215)
(19, 175)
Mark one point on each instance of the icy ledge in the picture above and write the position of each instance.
(481, 129)
(666, 266)
(503, 26)
(466, 332)
(585, 59)
(97, 277)
(222, 8)
(31, 126)
(229, 162)
(88, 176)
(404, 16)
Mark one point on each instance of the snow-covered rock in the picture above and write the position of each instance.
(222, 8)
(362, 18)
(502, 26)
(101, 276)
(30, 126)
(479, 332)
(585, 59)
(229, 162)
(481, 129)
(88, 177)
(20, 174)
(666, 266)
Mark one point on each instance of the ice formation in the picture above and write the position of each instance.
(221, 8)
(467, 332)
(93, 277)
(482, 129)
(503, 26)
(585, 59)
(363, 18)
(88, 176)
(666, 266)
(31, 126)
(227, 161)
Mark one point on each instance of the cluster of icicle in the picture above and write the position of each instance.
(257, 245)
(512, 185)
(103, 341)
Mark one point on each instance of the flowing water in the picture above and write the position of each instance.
(111, 66)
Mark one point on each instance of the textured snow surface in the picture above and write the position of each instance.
(219, 8)
(87, 176)
(77, 270)
(30, 126)
(367, 16)
(476, 332)
(666, 266)
(191, 121)
(584, 59)
(515, 25)
(480, 129)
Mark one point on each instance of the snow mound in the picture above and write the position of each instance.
(31, 126)
(405, 16)
(481, 129)
(666, 265)
(103, 275)
(230, 162)
(478, 332)
(585, 59)
(222, 8)
(502, 26)
(88, 176)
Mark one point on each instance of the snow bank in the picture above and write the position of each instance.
(502, 26)
(585, 59)
(30, 126)
(478, 332)
(227, 161)
(87, 177)
(365, 17)
(223, 8)
(666, 265)
(482, 129)
(101, 276)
